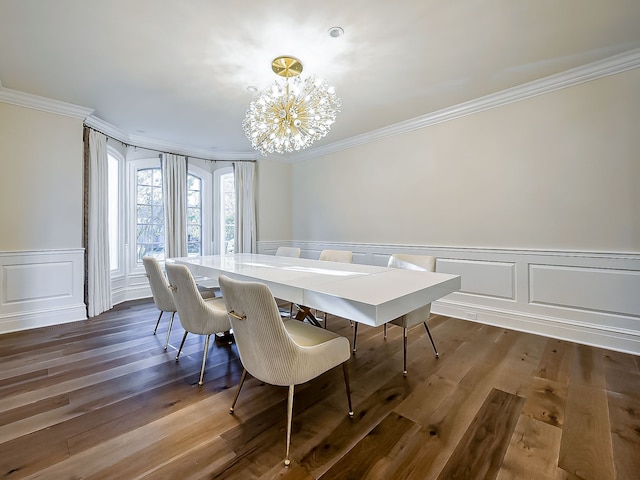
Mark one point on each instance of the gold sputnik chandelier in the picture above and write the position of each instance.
(290, 116)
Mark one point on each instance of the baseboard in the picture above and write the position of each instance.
(46, 318)
(628, 342)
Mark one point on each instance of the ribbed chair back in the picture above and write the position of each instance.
(288, 252)
(343, 256)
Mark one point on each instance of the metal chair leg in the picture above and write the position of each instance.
(355, 334)
(346, 383)
(235, 399)
(181, 344)
(166, 343)
(287, 462)
(431, 338)
(204, 359)
(158, 322)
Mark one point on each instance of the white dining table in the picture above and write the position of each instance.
(367, 294)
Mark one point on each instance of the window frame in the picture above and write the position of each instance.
(131, 241)
(119, 271)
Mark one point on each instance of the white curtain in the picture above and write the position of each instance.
(174, 193)
(97, 225)
(245, 235)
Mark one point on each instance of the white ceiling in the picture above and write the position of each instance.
(177, 70)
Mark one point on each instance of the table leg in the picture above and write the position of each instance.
(304, 313)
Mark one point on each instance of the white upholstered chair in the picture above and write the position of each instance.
(196, 315)
(277, 352)
(162, 296)
(420, 315)
(288, 252)
(343, 256)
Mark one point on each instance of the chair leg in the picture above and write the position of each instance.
(325, 320)
(385, 331)
(404, 350)
(235, 399)
(355, 334)
(431, 338)
(181, 344)
(166, 343)
(346, 383)
(158, 322)
(287, 462)
(204, 359)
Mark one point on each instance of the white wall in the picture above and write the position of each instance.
(273, 200)
(557, 171)
(534, 203)
(41, 255)
(41, 173)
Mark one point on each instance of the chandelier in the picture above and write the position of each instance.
(291, 115)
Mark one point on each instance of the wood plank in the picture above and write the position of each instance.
(546, 401)
(27, 411)
(365, 456)
(480, 452)
(624, 411)
(533, 451)
(586, 449)
(515, 375)
(556, 361)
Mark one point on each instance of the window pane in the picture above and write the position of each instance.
(114, 231)
(227, 213)
(157, 177)
(194, 215)
(149, 214)
(144, 214)
(157, 196)
(144, 177)
(144, 195)
(193, 198)
(193, 183)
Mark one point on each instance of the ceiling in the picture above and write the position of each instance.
(178, 70)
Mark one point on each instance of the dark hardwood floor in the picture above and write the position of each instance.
(100, 399)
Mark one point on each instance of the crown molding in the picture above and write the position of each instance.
(575, 76)
(105, 127)
(161, 145)
(44, 104)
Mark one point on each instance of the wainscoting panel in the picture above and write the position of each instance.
(587, 297)
(597, 289)
(492, 279)
(41, 288)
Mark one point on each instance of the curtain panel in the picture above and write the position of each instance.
(174, 193)
(96, 224)
(245, 231)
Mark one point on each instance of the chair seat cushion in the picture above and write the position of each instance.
(307, 335)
